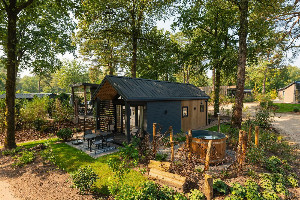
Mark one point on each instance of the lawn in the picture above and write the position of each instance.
(71, 159)
(286, 107)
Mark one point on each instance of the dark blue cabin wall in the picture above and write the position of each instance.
(165, 113)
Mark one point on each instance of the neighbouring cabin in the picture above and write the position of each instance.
(290, 93)
(30, 96)
(124, 103)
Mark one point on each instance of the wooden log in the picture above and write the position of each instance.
(208, 187)
(239, 150)
(249, 134)
(244, 146)
(162, 166)
(154, 139)
(256, 136)
(190, 137)
(208, 152)
(172, 144)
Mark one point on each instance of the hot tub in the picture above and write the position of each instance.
(200, 142)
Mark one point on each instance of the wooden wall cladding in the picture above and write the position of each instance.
(195, 118)
(107, 92)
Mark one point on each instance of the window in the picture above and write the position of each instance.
(185, 111)
(201, 108)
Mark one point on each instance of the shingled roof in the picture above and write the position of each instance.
(138, 89)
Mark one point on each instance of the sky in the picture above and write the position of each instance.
(166, 25)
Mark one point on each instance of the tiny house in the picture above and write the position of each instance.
(123, 103)
(290, 93)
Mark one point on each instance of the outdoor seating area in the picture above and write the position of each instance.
(95, 143)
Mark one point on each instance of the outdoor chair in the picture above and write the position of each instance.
(98, 141)
(87, 132)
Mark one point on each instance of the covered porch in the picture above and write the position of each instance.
(114, 113)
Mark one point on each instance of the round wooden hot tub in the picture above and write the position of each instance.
(200, 142)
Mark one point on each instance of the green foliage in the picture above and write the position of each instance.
(61, 110)
(25, 157)
(296, 109)
(153, 191)
(276, 165)
(65, 134)
(121, 167)
(35, 112)
(220, 186)
(129, 151)
(292, 181)
(28, 84)
(71, 72)
(11, 152)
(161, 156)
(196, 195)
(84, 178)
(255, 155)
(263, 118)
(252, 190)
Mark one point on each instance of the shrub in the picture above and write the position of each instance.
(292, 181)
(11, 152)
(296, 109)
(255, 155)
(84, 178)
(252, 190)
(220, 186)
(65, 134)
(161, 156)
(275, 165)
(263, 118)
(25, 158)
(35, 112)
(130, 151)
(62, 111)
(196, 195)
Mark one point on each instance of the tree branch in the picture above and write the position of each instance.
(24, 5)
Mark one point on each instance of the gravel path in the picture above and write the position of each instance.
(288, 125)
(5, 191)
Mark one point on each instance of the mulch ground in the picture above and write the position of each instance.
(38, 180)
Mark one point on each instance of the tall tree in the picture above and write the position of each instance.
(71, 72)
(255, 19)
(28, 29)
(120, 24)
(210, 25)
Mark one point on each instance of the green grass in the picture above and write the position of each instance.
(71, 159)
(223, 128)
(286, 107)
(34, 143)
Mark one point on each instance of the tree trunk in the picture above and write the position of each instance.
(134, 54)
(238, 107)
(11, 65)
(213, 79)
(217, 91)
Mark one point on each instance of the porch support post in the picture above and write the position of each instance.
(206, 111)
(121, 117)
(127, 121)
(115, 117)
(97, 113)
(85, 101)
(136, 116)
